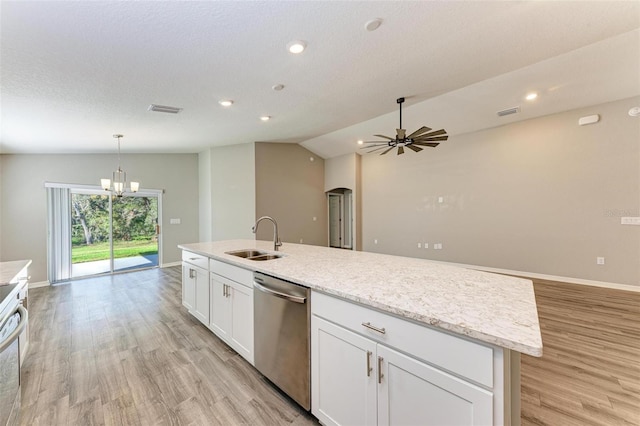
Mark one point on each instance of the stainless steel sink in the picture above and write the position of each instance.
(252, 254)
(265, 257)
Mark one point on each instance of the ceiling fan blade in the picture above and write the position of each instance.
(432, 145)
(436, 133)
(375, 149)
(384, 137)
(386, 150)
(419, 131)
(430, 139)
(400, 150)
(414, 148)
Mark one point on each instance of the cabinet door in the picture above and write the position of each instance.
(343, 375)
(413, 393)
(188, 287)
(201, 310)
(242, 320)
(220, 307)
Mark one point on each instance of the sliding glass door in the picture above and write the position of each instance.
(134, 232)
(112, 234)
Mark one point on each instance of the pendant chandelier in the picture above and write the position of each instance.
(119, 180)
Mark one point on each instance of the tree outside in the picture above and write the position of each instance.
(134, 227)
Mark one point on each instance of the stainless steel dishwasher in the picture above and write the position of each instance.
(281, 335)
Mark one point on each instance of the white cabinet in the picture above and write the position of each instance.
(412, 392)
(195, 285)
(371, 368)
(188, 286)
(221, 297)
(342, 375)
(232, 307)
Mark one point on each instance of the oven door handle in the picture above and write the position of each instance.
(21, 325)
(289, 297)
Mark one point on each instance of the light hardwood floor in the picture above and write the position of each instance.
(122, 350)
(589, 373)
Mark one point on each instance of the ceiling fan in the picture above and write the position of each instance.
(421, 137)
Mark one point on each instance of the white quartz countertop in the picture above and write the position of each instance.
(492, 308)
(9, 270)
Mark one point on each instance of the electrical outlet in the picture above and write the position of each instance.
(301, 240)
(375, 241)
(630, 221)
(426, 245)
(437, 246)
(174, 221)
(419, 245)
(599, 260)
(441, 199)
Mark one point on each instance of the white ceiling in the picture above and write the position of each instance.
(74, 73)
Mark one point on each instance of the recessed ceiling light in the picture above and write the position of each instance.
(373, 24)
(531, 96)
(360, 141)
(265, 118)
(296, 46)
(226, 102)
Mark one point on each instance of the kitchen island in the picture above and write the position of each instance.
(470, 325)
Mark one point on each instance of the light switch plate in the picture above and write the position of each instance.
(174, 221)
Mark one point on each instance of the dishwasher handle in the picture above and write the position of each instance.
(289, 297)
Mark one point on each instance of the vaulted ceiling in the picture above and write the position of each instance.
(74, 73)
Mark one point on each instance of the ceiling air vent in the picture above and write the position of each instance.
(508, 111)
(164, 108)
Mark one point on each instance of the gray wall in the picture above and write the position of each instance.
(542, 196)
(290, 188)
(23, 207)
(231, 207)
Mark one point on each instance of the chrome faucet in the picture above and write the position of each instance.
(276, 240)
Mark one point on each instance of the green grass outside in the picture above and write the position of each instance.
(100, 251)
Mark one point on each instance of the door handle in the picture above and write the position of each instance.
(369, 368)
(191, 271)
(380, 375)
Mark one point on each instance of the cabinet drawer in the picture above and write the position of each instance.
(195, 259)
(465, 358)
(235, 273)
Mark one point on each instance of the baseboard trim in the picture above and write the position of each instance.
(532, 275)
(170, 264)
(39, 284)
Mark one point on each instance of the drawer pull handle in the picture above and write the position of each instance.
(369, 368)
(191, 273)
(380, 375)
(193, 258)
(374, 328)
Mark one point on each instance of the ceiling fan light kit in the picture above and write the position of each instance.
(423, 137)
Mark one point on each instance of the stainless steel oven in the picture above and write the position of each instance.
(13, 320)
